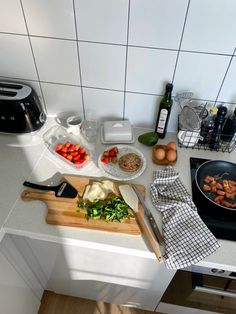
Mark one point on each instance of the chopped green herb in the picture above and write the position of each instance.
(114, 209)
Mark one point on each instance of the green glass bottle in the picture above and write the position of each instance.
(164, 111)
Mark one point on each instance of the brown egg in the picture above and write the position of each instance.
(171, 145)
(159, 153)
(171, 155)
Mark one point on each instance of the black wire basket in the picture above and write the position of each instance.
(199, 140)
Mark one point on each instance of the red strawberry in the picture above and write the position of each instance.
(81, 150)
(106, 153)
(112, 153)
(76, 158)
(115, 149)
(64, 149)
(79, 162)
(58, 147)
(63, 154)
(105, 160)
(74, 154)
(69, 157)
(67, 144)
(71, 148)
(76, 146)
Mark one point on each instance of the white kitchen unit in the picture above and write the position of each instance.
(19, 289)
(97, 274)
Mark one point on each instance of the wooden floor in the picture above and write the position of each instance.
(53, 303)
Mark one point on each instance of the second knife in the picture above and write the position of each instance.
(150, 217)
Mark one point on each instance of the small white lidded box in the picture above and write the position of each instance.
(117, 132)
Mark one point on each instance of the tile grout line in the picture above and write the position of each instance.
(226, 72)
(105, 89)
(206, 53)
(126, 60)
(180, 43)
(121, 45)
(32, 51)
(78, 55)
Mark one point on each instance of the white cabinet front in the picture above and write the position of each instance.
(16, 297)
(101, 275)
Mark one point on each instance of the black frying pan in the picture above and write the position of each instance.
(214, 168)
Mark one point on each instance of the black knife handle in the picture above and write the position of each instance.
(155, 229)
(39, 186)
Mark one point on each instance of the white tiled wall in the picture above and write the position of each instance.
(112, 58)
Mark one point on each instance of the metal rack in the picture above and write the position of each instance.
(223, 147)
(192, 139)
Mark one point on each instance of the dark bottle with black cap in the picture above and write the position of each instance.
(216, 133)
(229, 128)
(164, 111)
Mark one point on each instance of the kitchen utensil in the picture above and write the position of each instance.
(131, 199)
(222, 223)
(150, 217)
(115, 172)
(189, 119)
(203, 112)
(64, 189)
(183, 98)
(20, 109)
(215, 168)
(63, 211)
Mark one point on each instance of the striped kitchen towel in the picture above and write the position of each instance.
(187, 238)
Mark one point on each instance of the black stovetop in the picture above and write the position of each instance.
(222, 225)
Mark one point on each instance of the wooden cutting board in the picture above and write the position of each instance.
(63, 211)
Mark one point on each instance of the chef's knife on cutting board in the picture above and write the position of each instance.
(150, 217)
(64, 189)
(131, 199)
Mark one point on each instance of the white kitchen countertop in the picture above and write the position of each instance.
(26, 157)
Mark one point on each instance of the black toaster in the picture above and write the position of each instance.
(20, 109)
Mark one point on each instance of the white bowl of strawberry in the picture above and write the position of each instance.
(71, 152)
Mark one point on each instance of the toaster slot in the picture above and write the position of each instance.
(9, 85)
(7, 93)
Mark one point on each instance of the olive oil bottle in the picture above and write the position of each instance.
(164, 111)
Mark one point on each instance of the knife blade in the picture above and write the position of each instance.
(150, 217)
(131, 198)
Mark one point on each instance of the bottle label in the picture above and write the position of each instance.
(162, 121)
